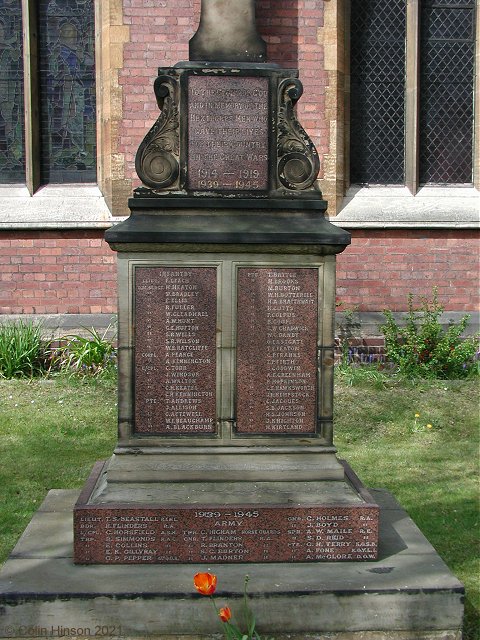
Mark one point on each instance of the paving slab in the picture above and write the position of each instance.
(408, 593)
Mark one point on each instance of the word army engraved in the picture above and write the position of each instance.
(225, 534)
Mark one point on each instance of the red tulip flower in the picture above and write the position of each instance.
(225, 614)
(205, 583)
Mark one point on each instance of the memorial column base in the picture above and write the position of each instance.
(240, 464)
(225, 450)
(190, 521)
(408, 593)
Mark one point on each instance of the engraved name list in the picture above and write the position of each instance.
(277, 350)
(175, 365)
(227, 534)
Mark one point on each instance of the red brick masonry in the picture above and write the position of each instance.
(381, 267)
(74, 271)
(57, 272)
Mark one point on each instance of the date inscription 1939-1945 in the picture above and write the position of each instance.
(227, 534)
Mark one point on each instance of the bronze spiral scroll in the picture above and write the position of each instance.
(156, 162)
(298, 162)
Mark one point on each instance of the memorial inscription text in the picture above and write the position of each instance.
(227, 534)
(277, 350)
(228, 133)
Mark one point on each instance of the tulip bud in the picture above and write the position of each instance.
(225, 614)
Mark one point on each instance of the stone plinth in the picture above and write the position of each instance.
(407, 594)
(225, 522)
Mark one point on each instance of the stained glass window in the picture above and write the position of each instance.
(377, 75)
(67, 90)
(446, 91)
(12, 156)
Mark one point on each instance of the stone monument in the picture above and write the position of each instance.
(227, 293)
(225, 452)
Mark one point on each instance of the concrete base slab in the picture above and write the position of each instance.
(407, 594)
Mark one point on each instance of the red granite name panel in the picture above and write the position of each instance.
(233, 534)
(175, 350)
(277, 319)
(228, 133)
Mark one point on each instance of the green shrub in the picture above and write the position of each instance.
(424, 349)
(91, 355)
(23, 351)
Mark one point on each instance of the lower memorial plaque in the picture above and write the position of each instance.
(277, 350)
(122, 534)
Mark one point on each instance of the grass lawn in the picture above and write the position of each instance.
(431, 470)
(51, 432)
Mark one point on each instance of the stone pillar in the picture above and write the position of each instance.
(226, 334)
(227, 33)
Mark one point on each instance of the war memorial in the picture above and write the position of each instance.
(225, 458)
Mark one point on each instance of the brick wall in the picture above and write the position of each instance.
(66, 272)
(381, 268)
(74, 272)
(159, 35)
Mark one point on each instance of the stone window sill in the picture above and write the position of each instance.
(77, 206)
(66, 206)
(396, 207)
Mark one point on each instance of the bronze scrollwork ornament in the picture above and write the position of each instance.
(157, 159)
(298, 162)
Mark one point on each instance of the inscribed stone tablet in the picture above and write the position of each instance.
(229, 534)
(277, 350)
(228, 133)
(175, 347)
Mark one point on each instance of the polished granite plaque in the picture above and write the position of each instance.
(175, 347)
(228, 133)
(277, 350)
